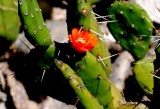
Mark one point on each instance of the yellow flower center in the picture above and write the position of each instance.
(82, 40)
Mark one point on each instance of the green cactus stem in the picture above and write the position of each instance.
(117, 98)
(95, 78)
(47, 58)
(84, 18)
(41, 59)
(132, 29)
(143, 71)
(9, 24)
(35, 29)
(76, 83)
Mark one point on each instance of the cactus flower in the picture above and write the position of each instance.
(82, 41)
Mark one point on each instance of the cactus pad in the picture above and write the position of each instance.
(33, 23)
(132, 29)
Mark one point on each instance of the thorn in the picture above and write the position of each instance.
(156, 71)
(102, 39)
(158, 45)
(104, 16)
(58, 54)
(97, 33)
(44, 71)
(144, 35)
(100, 60)
(150, 23)
(99, 15)
(1, 68)
(80, 29)
(155, 40)
(108, 21)
(25, 44)
(155, 76)
(155, 36)
(110, 56)
(77, 101)
(149, 61)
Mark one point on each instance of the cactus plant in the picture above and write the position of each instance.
(84, 18)
(8, 31)
(143, 71)
(35, 29)
(95, 78)
(85, 60)
(76, 83)
(128, 30)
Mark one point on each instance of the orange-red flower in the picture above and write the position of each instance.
(82, 41)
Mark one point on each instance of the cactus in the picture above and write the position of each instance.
(76, 83)
(9, 24)
(91, 68)
(48, 58)
(143, 71)
(84, 61)
(84, 18)
(35, 29)
(128, 30)
(117, 98)
(95, 78)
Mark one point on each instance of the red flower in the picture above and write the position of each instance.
(82, 41)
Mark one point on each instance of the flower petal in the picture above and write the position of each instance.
(82, 41)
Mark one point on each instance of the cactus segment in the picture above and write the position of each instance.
(85, 19)
(9, 24)
(133, 28)
(47, 58)
(117, 96)
(35, 29)
(76, 83)
(95, 78)
(143, 70)
(40, 59)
